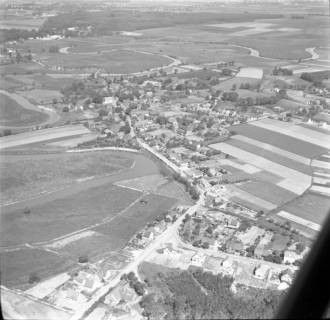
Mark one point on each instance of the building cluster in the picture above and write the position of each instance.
(215, 230)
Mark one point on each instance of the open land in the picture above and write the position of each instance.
(13, 114)
(280, 140)
(77, 220)
(42, 135)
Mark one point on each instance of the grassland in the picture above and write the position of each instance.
(27, 176)
(117, 61)
(60, 216)
(13, 114)
(42, 96)
(16, 266)
(279, 140)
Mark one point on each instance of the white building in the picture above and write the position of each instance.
(198, 259)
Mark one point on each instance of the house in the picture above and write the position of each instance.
(113, 297)
(287, 276)
(110, 101)
(198, 259)
(261, 272)
(291, 256)
(274, 277)
(234, 246)
(88, 280)
(148, 235)
(233, 223)
(229, 266)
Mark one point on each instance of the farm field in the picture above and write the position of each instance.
(254, 73)
(297, 181)
(146, 183)
(273, 149)
(13, 114)
(64, 215)
(237, 194)
(117, 61)
(237, 81)
(272, 156)
(313, 137)
(42, 135)
(172, 189)
(111, 214)
(53, 171)
(16, 266)
(279, 140)
(310, 207)
(42, 96)
(268, 192)
(123, 227)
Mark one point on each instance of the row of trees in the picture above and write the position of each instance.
(189, 186)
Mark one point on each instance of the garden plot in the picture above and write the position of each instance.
(297, 182)
(269, 147)
(311, 136)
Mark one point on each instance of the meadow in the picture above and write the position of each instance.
(117, 61)
(59, 216)
(13, 114)
(29, 175)
(17, 266)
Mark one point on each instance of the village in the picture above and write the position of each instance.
(237, 151)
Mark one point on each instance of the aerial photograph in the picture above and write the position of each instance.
(164, 159)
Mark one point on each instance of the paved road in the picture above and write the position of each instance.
(163, 238)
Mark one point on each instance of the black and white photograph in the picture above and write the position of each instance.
(164, 159)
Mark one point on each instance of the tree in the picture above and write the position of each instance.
(33, 277)
(53, 49)
(18, 57)
(300, 247)
(27, 210)
(83, 259)
(65, 109)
